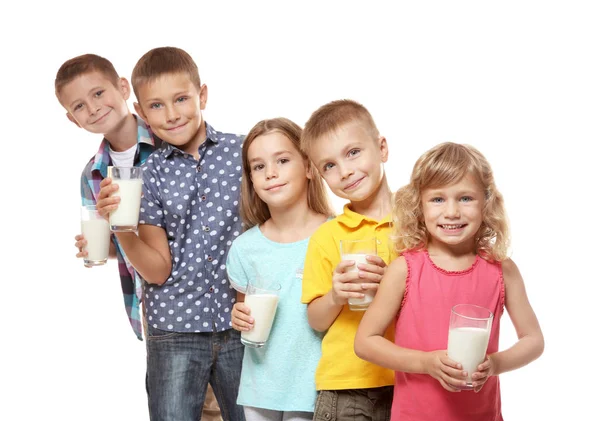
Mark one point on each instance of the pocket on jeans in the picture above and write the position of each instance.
(324, 406)
(155, 334)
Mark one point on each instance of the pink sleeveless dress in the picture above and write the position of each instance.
(423, 323)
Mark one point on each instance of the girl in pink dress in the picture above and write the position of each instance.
(451, 232)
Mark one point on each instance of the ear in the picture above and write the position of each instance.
(309, 169)
(124, 88)
(139, 111)
(203, 96)
(383, 149)
(72, 120)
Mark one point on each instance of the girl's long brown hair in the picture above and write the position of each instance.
(252, 209)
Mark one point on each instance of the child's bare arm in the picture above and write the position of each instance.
(371, 345)
(323, 311)
(531, 340)
(149, 252)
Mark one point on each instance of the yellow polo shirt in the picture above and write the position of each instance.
(339, 368)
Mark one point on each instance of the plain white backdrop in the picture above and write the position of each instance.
(517, 79)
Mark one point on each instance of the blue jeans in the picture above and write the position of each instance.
(180, 366)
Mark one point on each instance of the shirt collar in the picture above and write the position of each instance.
(211, 137)
(351, 219)
(145, 139)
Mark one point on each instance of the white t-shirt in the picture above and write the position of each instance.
(123, 159)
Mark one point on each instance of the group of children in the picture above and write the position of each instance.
(219, 210)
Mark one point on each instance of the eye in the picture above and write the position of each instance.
(155, 105)
(258, 167)
(78, 107)
(436, 200)
(353, 152)
(466, 199)
(327, 167)
(283, 160)
(181, 99)
(99, 93)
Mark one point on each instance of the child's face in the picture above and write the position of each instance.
(94, 103)
(172, 105)
(351, 162)
(453, 214)
(279, 173)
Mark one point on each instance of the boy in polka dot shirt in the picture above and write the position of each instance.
(188, 220)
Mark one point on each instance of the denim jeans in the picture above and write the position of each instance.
(180, 366)
(354, 405)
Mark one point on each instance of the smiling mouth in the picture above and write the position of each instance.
(174, 129)
(451, 227)
(275, 187)
(102, 118)
(353, 185)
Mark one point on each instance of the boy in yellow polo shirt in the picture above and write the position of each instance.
(344, 144)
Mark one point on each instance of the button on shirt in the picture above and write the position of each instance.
(196, 202)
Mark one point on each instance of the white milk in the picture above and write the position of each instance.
(97, 234)
(467, 345)
(262, 309)
(126, 216)
(358, 303)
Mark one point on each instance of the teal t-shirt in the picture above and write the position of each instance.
(281, 375)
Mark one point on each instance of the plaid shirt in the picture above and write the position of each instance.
(93, 173)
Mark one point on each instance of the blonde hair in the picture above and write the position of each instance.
(252, 208)
(443, 165)
(161, 61)
(331, 117)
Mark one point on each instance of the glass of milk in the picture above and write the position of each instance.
(96, 232)
(468, 336)
(358, 250)
(263, 305)
(129, 179)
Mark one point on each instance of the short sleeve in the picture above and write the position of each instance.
(151, 208)
(235, 270)
(87, 195)
(318, 272)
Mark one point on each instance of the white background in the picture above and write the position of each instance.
(520, 80)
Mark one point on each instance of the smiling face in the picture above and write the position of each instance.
(172, 106)
(94, 103)
(351, 162)
(278, 172)
(453, 214)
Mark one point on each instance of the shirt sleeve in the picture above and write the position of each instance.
(87, 195)
(238, 278)
(151, 208)
(318, 272)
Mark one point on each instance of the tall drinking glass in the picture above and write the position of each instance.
(129, 179)
(358, 250)
(96, 232)
(263, 305)
(468, 336)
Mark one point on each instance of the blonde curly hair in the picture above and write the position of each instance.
(444, 165)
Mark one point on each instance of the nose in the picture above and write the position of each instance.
(345, 171)
(452, 209)
(172, 114)
(93, 107)
(270, 171)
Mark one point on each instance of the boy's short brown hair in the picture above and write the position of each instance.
(332, 116)
(80, 65)
(161, 61)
